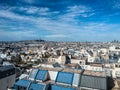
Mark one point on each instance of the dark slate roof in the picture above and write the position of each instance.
(23, 83)
(41, 75)
(56, 87)
(38, 74)
(33, 73)
(65, 77)
(35, 86)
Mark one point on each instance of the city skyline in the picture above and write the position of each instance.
(62, 20)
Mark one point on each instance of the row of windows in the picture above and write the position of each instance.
(118, 66)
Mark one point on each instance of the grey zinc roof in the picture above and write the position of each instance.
(95, 80)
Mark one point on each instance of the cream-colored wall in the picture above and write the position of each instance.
(53, 75)
(115, 72)
(91, 59)
(76, 80)
(60, 59)
(92, 68)
(77, 61)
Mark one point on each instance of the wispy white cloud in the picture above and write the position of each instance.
(18, 35)
(76, 11)
(94, 26)
(58, 26)
(116, 4)
(35, 10)
(11, 15)
(79, 11)
(64, 27)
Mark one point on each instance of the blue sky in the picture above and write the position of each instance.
(60, 20)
